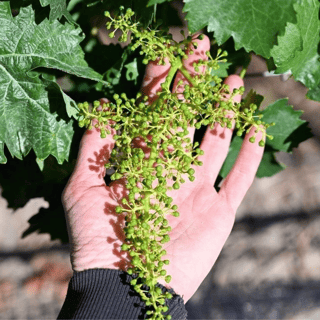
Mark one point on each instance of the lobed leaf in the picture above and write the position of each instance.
(290, 129)
(29, 98)
(297, 49)
(58, 8)
(253, 25)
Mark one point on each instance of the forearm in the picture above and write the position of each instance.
(107, 294)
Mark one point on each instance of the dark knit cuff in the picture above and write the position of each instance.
(107, 294)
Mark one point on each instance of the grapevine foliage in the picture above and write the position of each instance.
(27, 95)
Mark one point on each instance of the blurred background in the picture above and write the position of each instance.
(268, 269)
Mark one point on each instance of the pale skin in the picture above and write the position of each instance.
(206, 216)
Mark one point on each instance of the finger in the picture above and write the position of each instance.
(216, 141)
(94, 153)
(154, 76)
(244, 170)
(198, 53)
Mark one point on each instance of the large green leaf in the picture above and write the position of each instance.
(28, 98)
(289, 129)
(297, 49)
(253, 24)
(58, 8)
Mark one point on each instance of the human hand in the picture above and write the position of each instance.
(206, 217)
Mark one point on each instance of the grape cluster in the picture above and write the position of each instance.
(163, 125)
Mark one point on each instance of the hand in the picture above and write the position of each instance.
(206, 217)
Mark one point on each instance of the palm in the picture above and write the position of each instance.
(206, 217)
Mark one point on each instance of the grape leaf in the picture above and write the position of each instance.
(289, 130)
(288, 45)
(58, 8)
(297, 49)
(152, 2)
(252, 97)
(132, 71)
(269, 166)
(3, 158)
(28, 98)
(222, 71)
(253, 24)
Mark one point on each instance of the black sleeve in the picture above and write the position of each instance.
(107, 294)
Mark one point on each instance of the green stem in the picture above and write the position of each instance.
(243, 73)
(187, 75)
(176, 64)
(245, 68)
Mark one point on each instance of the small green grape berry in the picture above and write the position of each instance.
(176, 214)
(174, 207)
(163, 252)
(166, 262)
(133, 282)
(168, 317)
(124, 247)
(103, 133)
(163, 272)
(118, 209)
(165, 239)
(176, 186)
(261, 143)
(152, 257)
(168, 295)
(165, 309)
(167, 279)
(111, 34)
(252, 139)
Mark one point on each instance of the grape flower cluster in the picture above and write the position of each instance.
(172, 155)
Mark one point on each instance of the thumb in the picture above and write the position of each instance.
(94, 153)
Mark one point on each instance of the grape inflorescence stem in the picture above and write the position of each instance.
(172, 156)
